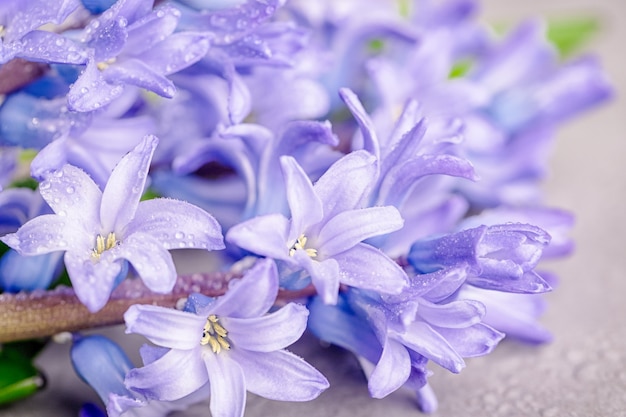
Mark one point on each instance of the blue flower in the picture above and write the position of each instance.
(17, 272)
(102, 364)
(327, 227)
(230, 344)
(99, 230)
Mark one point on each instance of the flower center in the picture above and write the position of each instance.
(300, 244)
(105, 64)
(102, 245)
(214, 335)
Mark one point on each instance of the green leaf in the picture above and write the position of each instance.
(150, 194)
(19, 379)
(569, 35)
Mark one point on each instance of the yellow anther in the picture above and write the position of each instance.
(102, 245)
(214, 335)
(105, 64)
(300, 244)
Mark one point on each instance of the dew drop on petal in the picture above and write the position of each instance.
(70, 189)
(179, 235)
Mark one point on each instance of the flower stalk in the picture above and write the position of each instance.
(45, 313)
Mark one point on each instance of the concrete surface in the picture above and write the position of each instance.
(582, 373)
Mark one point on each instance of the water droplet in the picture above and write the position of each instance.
(122, 22)
(160, 13)
(84, 90)
(96, 23)
(70, 189)
(179, 235)
(59, 41)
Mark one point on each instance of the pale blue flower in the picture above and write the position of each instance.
(101, 230)
(230, 344)
(328, 225)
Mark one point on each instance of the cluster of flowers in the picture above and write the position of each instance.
(378, 160)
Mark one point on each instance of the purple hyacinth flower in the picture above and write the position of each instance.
(131, 44)
(229, 343)
(325, 234)
(21, 36)
(99, 230)
(500, 257)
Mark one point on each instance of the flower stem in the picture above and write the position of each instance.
(45, 313)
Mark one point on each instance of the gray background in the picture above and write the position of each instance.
(582, 373)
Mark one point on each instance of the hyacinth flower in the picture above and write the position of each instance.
(230, 344)
(500, 257)
(21, 35)
(399, 334)
(325, 233)
(100, 230)
(254, 152)
(102, 364)
(131, 44)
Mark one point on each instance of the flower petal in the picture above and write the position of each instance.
(324, 275)
(192, 227)
(165, 326)
(476, 340)
(176, 374)
(351, 227)
(366, 267)
(304, 204)
(270, 332)
(346, 182)
(135, 72)
(92, 282)
(101, 363)
(370, 140)
(27, 273)
(71, 192)
(150, 259)
(91, 91)
(338, 325)
(392, 370)
(456, 314)
(251, 296)
(48, 233)
(280, 376)
(423, 339)
(126, 183)
(176, 52)
(228, 386)
(263, 235)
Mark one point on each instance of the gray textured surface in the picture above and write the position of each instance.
(583, 372)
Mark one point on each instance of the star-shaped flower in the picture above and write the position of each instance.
(327, 228)
(229, 343)
(99, 230)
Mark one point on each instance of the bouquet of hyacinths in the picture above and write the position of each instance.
(366, 170)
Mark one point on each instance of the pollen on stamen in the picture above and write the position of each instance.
(105, 64)
(300, 244)
(103, 245)
(215, 335)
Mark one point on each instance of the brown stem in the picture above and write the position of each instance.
(45, 313)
